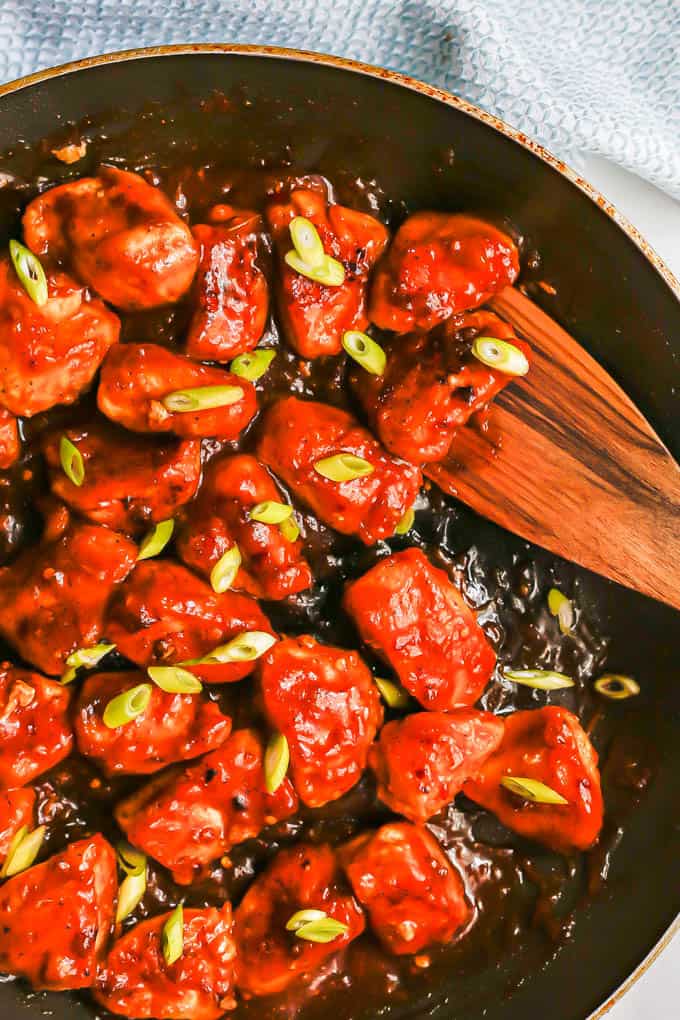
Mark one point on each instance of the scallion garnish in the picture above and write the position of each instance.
(71, 461)
(500, 355)
(290, 529)
(343, 467)
(156, 540)
(202, 398)
(270, 512)
(406, 523)
(560, 606)
(301, 917)
(320, 928)
(130, 860)
(306, 241)
(276, 761)
(533, 790)
(130, 893)
(393, 695)
(252, 366)
(30, 272)
(224, 572)
(22, 851)
(542, 679)
(125, 707)
(174, 680)
(84, 658)
(329, 272)
(616, 686)
(365, 351)
(245, 647)
(172, 936)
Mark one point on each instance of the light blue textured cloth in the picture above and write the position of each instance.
(581, 76)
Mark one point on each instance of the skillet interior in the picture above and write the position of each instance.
(427, 154)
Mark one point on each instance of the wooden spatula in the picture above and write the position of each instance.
(568, 462)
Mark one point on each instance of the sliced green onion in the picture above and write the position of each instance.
(343, 467)
(393, 695)
(172, 936)
(326, 929)
(301, 917)
(290, 529)
(406, 523)
(252, 366)
(156, 540)
(542, 679)
(306, 241)
(533, 790)
(365, 351)
(23, 850)
(560, 606)
(616, 686)
(125, 707)
(130, 893)
(501, 355)
(330, 272)
(130, 860)
(223, 574)
(202, 398)
(174, 680)
(276, 761)
(84, 658)
(30, 272)
(245, 647)
(270, 512)
(71, 461)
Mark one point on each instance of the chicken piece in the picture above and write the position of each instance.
(173, 727)
(432, 385)
(272, 567)
(422, 761)
(297, 434)
(53, 598)
(49, 353)
(413, 895)
(35, 729)
(10, 443)
(17, 809)
(411, 615)
(548, 745)
(187, 818)
(56, 917)
(164, 615)
(230, 294)
(315, 316)
(121, 236)
(268, 957)
(135, 980)
(439, 264)
(130, 481)
(136, 377)
(324, 701)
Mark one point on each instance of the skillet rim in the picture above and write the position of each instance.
(449, 99)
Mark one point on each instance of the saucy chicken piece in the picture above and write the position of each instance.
(16, 811)
(268, 957)
(164, 615)
(414, 618)
(439, 264)
(49, 353)
(35, 729)
(413, 896)
(56, 917)
(135, 980)
(53, 597)
(272, 567)
(130, 481)
(432, 384)
(173, 727)
(547, 745)
(324, 701)
(297, 434)
(230, 294)
(10, 444)
(121, 236)
(316, 316)
(136, 377)
(188, 818)
(422, 761)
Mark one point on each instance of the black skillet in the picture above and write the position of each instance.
(567, 934)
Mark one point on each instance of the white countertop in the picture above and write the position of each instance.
(656, 996)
